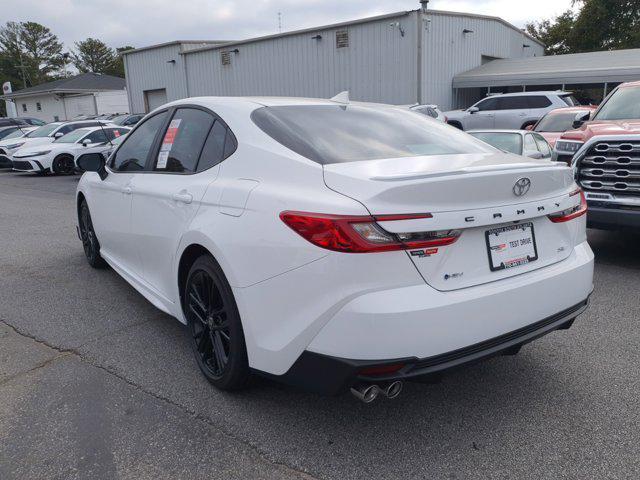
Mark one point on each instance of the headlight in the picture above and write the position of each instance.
(14, 145)
(34, 154)
(568, 146)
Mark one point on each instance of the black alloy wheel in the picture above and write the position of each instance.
(215, 328)
(63, 165)
(88, 237)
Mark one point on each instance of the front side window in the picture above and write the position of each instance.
(97, 136)
(183, 141)
(488, 104)
(507, 142)
(623, 104)
(132, 154)
(338, 134)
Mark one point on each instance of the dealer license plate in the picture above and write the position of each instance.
(511, 246)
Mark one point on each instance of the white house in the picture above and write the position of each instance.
(64, 99)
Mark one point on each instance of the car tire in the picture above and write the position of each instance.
(63, 165)
(214, 325)
(88, 237)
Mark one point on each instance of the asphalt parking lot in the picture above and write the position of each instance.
(97, 383)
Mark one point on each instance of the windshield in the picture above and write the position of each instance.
(556, 122)
(338, 134)
(43, 131)
(73, 137)
(623, 104)
(15, 134)
(509, 142)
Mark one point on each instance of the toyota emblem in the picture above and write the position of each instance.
(521, 187)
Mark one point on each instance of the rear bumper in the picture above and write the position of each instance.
(613, 217)
(430, 331)
(329, 375)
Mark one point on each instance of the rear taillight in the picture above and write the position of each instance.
(363, 234)
(573, 212)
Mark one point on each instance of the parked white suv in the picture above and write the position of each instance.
(510, 110)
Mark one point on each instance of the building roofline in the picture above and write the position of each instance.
(37, 93)
(357, 22)
(488, 17)
(298, 32)
(168, 44)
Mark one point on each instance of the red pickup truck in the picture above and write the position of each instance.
(604, 150)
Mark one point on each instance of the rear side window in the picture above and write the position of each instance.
(132, 155)
(183, 141)
(338, 134)
(543, 146)
(512, 103)
(213, 151)
(538, 101)
(530, 144)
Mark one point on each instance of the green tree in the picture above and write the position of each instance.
(29, 53)
(591, 25)
(93, 55)
(118, 65)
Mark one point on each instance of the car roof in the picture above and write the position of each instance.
(527, 94)
(576, 109)
(497, 130)
(262, 101)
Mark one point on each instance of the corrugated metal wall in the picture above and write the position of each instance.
(380, 64)
(150, 70)
(448, 51)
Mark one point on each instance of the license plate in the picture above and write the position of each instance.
(511, 246)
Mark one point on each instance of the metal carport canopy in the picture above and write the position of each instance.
(593, 67)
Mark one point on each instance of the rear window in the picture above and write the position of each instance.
(570, 100)
(509, 142)
(556, 122)
(339, 134)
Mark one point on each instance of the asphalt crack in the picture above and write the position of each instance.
(67, 352)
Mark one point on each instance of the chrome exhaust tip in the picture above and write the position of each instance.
(366, 393)
(393, 389)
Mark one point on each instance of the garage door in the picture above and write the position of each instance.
(154, 98)
(80, 105)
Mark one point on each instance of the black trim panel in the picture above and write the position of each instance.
(613, 218)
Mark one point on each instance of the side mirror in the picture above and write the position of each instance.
(533, 154)
(529, 127)
(58, 135)
(580, 119)
(86, 142)
(473, 110)
(92, 162)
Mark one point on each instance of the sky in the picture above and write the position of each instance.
(145, 22)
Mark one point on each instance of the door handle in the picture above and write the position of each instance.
(182, 197)
(127, 190)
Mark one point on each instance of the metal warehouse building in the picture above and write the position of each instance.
(400, 58)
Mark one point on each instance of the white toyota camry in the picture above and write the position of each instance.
(336, 245)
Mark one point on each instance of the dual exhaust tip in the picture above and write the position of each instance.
(368, 393)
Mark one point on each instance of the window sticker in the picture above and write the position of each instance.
(167, 143)
(116, 133)
(163, 156)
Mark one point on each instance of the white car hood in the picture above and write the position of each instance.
(28, 142)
